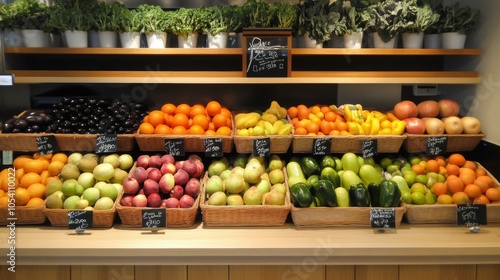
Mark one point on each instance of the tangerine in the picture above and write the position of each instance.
(196, 110)
(196, 129)
(183, 109)
(292, 112)
(487, 180)
(35, 202)
(179, 130)
(302, 112)
(36, 190)
(168, 108)
(452, 169)
(220, 120)
(300, 131)
(445, 199)
(312, 127)
(55, 168)
(201, 120)
(432, 165)
(163, 129)
(156, 117)
(22, 196)
(467, 175)
(29, 179)
(481, 200)
(341, 126)
(330, 116)
(325, 127)
(472, 191)
(225, 111)
(146, 128)
(180, 119)
(4, 201)
(454, 184)
(61, 157)
(480, 171)
(457, 159)
(418, 169)
(470, 164)
(35, 166)
(20, 161)
(224, 130)
(460, 198)
(439, 188)
(493, 194)
(213, 108)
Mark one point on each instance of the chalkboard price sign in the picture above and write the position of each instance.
(471, 214)
(80, 219)
(174, 147)
(322, 146)
(262, 147)
(369, 148)
(47, 144)
(267, 57)
(436, 146)
(106, 143)
(154, 218)
(382, 218)
(213, 147)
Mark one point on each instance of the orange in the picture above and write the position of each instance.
(481, 200)
(292, 112)
(445, 199)
(4, 201)
(196, 129)
(162, 129)
(5, 184)
(441, 161)
(487, 180)
(146, 118)
(179, 130)
(20, 173)
(341, 126)
(315, 109)
(452, 169)
(470, 164)
(35, 202)
(330, 116)
(2, 193)
(480, 171)
(168, 108)
(36, 190)
(439, 188)
(325, 127)
(312, 127)
(325, 109)
(183, 109)
(210, 132)
(34, 165)
(460, 198)
(22, 196)
(55, 168)
(196, 110)
(302, 112)
(418, 169)
(219, 120)
(454, 184)
(156, 117)
(180, 119)
(224, 130)
(29, 179)
(432, 165)
(300, 131)
(493, 194)
(213, 108)
(472, 191)
(226, 112)
(61, 157)
(482, 183)
(457, 159)
(44, 176)
(146, 128)
(202, 121)
(467, 175)
(20, 161)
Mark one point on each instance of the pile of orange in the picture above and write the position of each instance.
(29, 176)
(198, 119)
(317, 120)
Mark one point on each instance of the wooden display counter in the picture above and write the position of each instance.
(288, 252)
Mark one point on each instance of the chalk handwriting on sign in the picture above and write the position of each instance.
(47, 144)
(213, 147)
(267, 57)
(106, 143)
(437, 145)
(369, 148)
(383, 217)
(471, 214)
(262, 147)
(80, 219)
(322, 146)
(174, 147)
(154, 218)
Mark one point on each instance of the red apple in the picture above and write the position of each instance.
(471, 125)
(428, 109)
(177, 192)
(415, 126)
(154, 200)
(140, 174)
(154, 174)
(155, 161)
(434, 126)
(130, 186)
(168, 168)
(453, 125)
(150, 186)
(186, 201)
(127, 200)
(143, 161)
(167, 182)
(405, 109)
(448, 108)
(140, 200)
(170, 202)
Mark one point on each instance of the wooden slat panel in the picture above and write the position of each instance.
(377, 272)
(208, 272)
(488, 272)
(114, 272)
(386, 74)
(438, 272)
(38, 272)
(164, 272)
(273, 272)
(340, 272)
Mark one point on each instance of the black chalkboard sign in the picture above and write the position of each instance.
(213, 147)
(321, 146)
(369, 148)
(106, 143)
(471, 214)
(382, 218)
(261, 147)
(436, 145)
(47, 144)
(174, 147)
(267, 56)
(80, 219)
(154, 218)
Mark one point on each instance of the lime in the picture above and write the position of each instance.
(407, 197)
(385, 162)
(418, 187)
(410, 177)
(441, 178)
(392, 168)
(418, 198)
(430, 198)
(414, 160)
(421, 178)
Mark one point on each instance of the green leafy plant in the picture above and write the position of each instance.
(237, 19)
(286, 14)
(260, 13)
(26, 14)
(460, 19)
(353, 20)
(386, 19)
(187, 21)
(72, 15)
(318, 18)
(417, 19)
(153, 18)
(436, 28)
(216, 19)
(128, 21)
(106, 16)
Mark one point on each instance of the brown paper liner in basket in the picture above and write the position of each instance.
(24, 215)
(349, 143)
(417, 143)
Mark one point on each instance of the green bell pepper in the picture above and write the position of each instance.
(390, 195)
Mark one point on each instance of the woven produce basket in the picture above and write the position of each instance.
(87, 142)
(25, 142)
(456, 143)
(244, 215)
(25, 215)
(447, 213)
(349, 143)
(192, 143)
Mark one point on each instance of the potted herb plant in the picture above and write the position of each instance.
(73, 19)
(237, 20)
(316, 22)
(154, 23)
(286, 15)
(457, 23)
(11, 25)
(432, 35)
(34, 16)
(129, 27)
(415, 20)
(387, 23)
(187, 24)
(353, 24)
(260, 13)
(216, 25)
(105, 18)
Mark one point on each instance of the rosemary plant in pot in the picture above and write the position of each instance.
(216, 24)
(387, 17)
(34, 16)
(416, 20)
(316, 22)
(11, 23)
(129, 27)
(187, 24)
(105, 18)
(154, 23)
(73, 19)
(457, 23)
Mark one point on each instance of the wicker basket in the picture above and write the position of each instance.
(447, 213)
(456, 143)
(279, 144)
(25, 142)
(349, 143)
(245, 215)
(87, 142)
(25, 215)
(192, 143)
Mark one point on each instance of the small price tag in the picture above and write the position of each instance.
(47, 144)
(261, 147)
(383, 218)
(106, 143)
(80, 220)
(7, 157)
(174, 147)
(436, 146)
(471, 214)
(154, 218)
(213, 147)
(6, 80)
(322, 146)
(369, 148)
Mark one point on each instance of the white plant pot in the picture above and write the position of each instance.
(76, 38)
(353, 41)
(188, 42)
(378, 43)
(130, 40)
(93, 39)
(311, 43)
(35, 38)
(156, 40)
(217, 40)
(108, 39)
(413, 40)
(432, 41)
(13, 38)
(335, 41)
(453, 40)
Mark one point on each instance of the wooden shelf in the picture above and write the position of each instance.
(391, 52)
